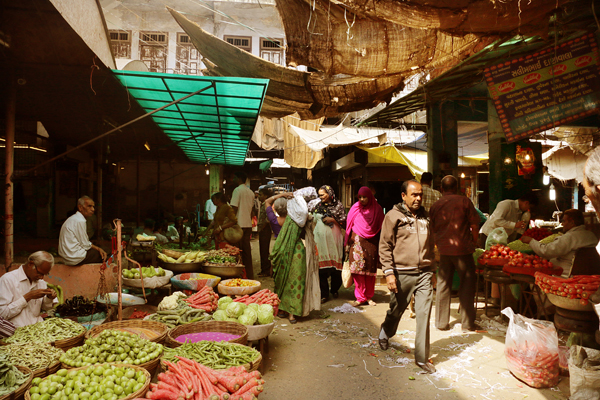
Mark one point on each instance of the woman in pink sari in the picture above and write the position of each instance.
(362, 238)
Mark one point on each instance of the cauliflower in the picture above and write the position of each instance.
(170, 302)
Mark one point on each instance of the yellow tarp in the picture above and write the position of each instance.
(415, 160)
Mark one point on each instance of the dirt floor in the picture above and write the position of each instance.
(331, 354)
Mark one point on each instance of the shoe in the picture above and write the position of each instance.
(357, 303)
(427, 367)
(371, 303)
(475, 327)
(324, 300)
(336, 295)
(413, 315)
(293, 321)
(445, 328)
(282, 314)
(384, 344)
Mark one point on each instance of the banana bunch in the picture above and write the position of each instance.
(10, 377)
(186, 258)
(59, 293)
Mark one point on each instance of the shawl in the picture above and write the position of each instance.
(365, 221)
(333, 208)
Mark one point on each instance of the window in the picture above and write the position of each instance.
(241, 42)
(271, 50)
(153, 50)
(120, 42)
(187, 57)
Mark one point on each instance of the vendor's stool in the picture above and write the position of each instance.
(495, 275)
(262, 345)
(576, 321)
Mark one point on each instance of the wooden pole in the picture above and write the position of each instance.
(137, 189)
(119, 272)
(99, 200)
(11, 108)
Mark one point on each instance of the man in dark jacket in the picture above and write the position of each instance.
(407, 258)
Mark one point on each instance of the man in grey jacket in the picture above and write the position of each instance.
(407, 258)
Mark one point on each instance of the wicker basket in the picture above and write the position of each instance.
(66, 344)
(238, 290)
(208, 326)
(139, 394)
(160, 328)
(251, 366)
(49, 370)
(21, 389)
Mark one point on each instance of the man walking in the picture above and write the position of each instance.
(242, 202)
(455, 227)
(406, 255)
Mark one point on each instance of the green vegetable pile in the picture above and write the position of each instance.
(183, 314)
(517, 245)
(550, 238)
(32, 355)
(46, 331)
(251, 314)
(147, 272)
(10, 377)
(112, 345)
(106, 382)
(215, 355)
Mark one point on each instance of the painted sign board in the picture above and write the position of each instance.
(545, 89)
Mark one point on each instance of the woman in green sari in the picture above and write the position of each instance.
(289, 268)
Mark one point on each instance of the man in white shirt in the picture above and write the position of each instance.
(242, 202)
(209, 211)
(561, 251)
(512, 215)
(73, 243)
(24, 293)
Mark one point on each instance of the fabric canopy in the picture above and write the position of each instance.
(214, 125)
(334, 137)
(564, 164)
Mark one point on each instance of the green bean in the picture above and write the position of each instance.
(212, 354)
(46, 331)
(32, 355)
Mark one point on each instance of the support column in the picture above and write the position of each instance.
(215, 179)
(99, 200)
(137, 189)
(11, 110)
(495, 138)
(442, 139)
(158, 184)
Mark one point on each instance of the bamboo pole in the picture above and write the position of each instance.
(119, 272)
(11, 107)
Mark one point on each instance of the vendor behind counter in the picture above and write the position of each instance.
(512, 215)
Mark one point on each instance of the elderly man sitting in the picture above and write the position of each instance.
(74, 243)
(24, 293)
(561, 252)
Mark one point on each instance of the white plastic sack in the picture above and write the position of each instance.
(498, 235)
(298, 210)
(584, 373)
(531, 350)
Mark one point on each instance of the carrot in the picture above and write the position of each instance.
(251, 383)
(162, 395)
(231, 383)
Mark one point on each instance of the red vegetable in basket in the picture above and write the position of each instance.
(205, 299)
(537, 233)
(138, 314)
(264, 296)
(576, 287)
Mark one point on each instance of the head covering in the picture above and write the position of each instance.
(333, 208)
(298, 210)
(323, 208)
(365, 221)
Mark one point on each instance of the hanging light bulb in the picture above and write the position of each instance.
(527, 157)
(462, 175)
(546, 179)
(508, 161)
(552, 192)
(207, 171)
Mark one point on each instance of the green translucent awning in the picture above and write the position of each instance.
(214, 125)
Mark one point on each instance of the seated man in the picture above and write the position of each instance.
(561, 252)
(24, 293)
(73, 243)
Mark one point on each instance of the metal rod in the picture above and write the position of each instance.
(119, 272)
(11, 108)
(212, 84)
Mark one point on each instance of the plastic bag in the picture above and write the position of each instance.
(584, 372)
(531, 350)
(347, 280)
(498, 235)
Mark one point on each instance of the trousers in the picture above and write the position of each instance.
(465, 266)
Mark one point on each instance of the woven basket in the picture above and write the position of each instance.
(66, 344)
(49, 370)
(208, 326)
(160, 328)
(139, 394)
(238, 290)
(21, 389)
(251, 366)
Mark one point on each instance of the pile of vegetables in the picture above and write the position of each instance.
(215, 355)
(204, 299)
(521, 260)
(180, 316)
(517, 245)
(31, 355)
(264, 296)
(237, 282)
(579, 287)
(170, 302)
(499, 251)
(245, 314)
(536, 366)
(139, 314)
(10, 377)
(93, 383)
(112, 345)
(231, 250)
(147, 272)
(188, 257)
(79, 306)
(537, 233)
(46, 331)
(234, 383)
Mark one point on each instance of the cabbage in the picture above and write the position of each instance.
(231, 319)
(265, 314)
(254, 306)
(224, 301)
(234, 309)
(220, 315)
(248, 317)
